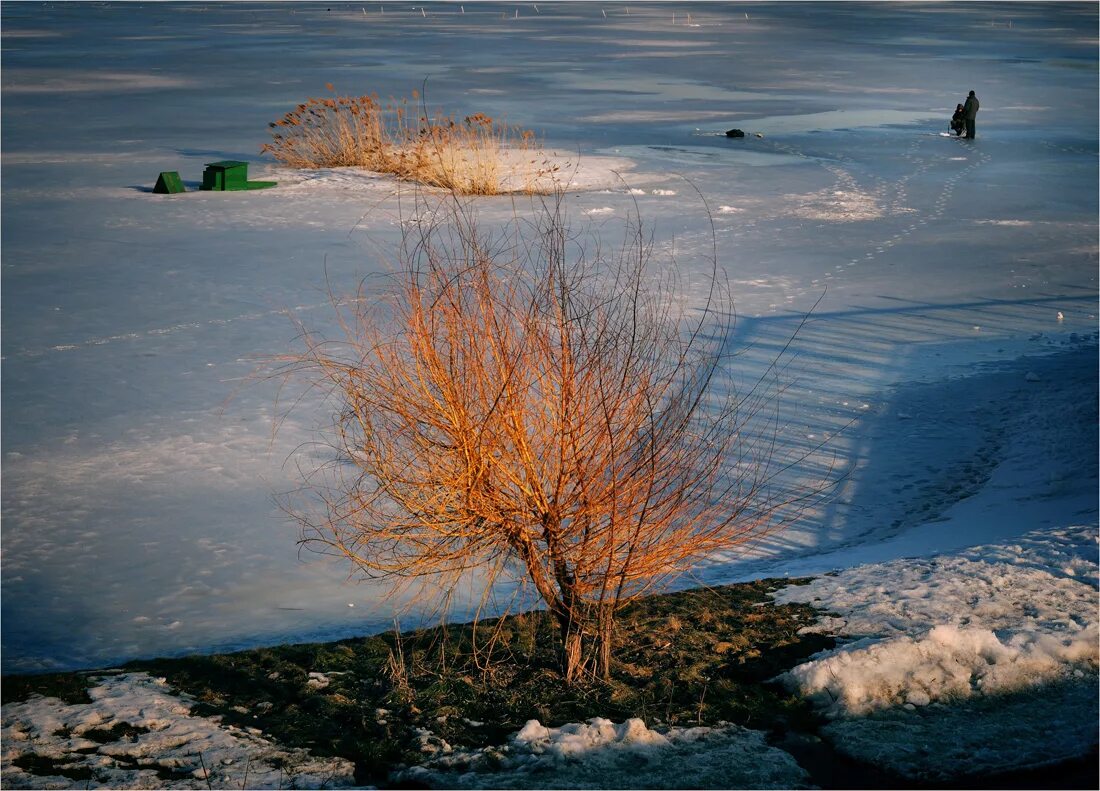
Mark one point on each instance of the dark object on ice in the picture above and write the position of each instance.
(970, 112)
(735, 133)
(230, 175)
(169, 182)
(958, 120)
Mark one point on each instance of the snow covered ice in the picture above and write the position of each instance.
(947, 380)
(138, 459)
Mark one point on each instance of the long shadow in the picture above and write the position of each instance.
(192, 186)
(834, 408)
(935, 434)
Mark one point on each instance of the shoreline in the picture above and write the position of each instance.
(698, 669)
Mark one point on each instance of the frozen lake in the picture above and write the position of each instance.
(955, 343)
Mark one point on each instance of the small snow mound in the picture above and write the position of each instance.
(600, 210)
(577, 738)
(634, 731)
(621, 755)
(533, 731)
(948, 663)
(992, 619)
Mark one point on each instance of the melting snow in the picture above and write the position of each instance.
(1004, 634)
(167, 747)
(991, 619)
(603, 754)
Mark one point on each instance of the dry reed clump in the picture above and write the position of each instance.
(477, 156)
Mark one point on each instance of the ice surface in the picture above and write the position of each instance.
(970, 739)
(139, 465)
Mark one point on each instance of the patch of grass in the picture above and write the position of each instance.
(117, 732)
(69, 687)
(269, 689)
(474, 156)
(44, 766)
(696, 657)
(170, 773)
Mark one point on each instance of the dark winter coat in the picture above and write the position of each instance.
(970, 109)
(958, 121)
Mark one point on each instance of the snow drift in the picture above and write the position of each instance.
(961, 664)
(954, 626)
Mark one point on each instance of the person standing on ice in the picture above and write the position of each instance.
(970, 112)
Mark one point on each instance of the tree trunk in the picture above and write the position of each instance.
(606, 629)
(573, 660)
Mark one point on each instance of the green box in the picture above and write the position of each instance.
(230, 175)
(225, 175)
(169, 182)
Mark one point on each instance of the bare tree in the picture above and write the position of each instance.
(527, 403)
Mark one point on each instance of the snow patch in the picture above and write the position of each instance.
(166, 746)
(53, 81)
(992, 619)
(604, 754)
(834, 205)
(544, 170)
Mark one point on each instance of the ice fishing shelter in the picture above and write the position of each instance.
(169, 182)
(230, 174)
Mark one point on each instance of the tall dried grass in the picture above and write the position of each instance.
(474, 156)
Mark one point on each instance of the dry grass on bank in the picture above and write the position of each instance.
(474, 156)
